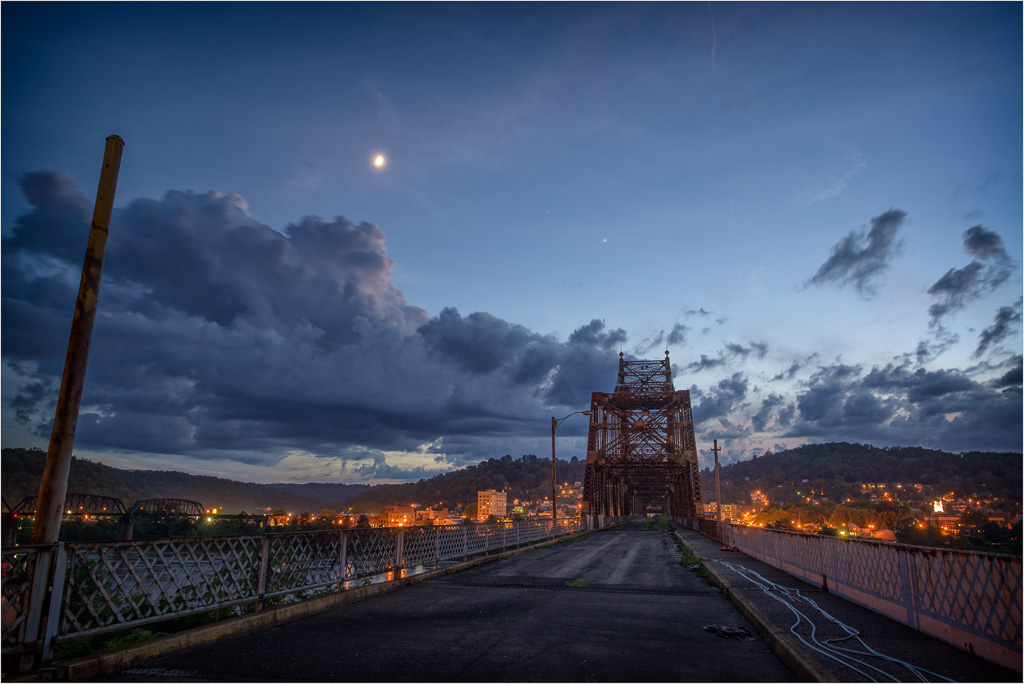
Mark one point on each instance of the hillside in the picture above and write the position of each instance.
(527, 477)
(837, 470)
(22, 471)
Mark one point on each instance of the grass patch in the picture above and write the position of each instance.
(577, 584)
(690, 558)
(659, 521)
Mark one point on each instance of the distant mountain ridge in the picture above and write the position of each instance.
(22, 471)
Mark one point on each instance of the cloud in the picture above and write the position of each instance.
(1013, 378)
(220, 338)
(731, 352)
(860, 258)
(721, 400)
(900, 405)
(222, 341)
(1001, 328)
(959, 287)
(771, 404)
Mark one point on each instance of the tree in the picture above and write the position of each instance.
(973, 518)
(362, 522)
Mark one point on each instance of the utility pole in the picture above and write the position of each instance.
(54, 486)
(718, 488)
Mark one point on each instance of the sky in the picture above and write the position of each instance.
(815, 209)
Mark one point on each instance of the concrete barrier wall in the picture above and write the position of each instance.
(971, 600)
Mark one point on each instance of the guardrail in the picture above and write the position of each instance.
(54, 594)
(969, 599)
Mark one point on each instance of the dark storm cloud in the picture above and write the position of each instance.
(1013, 377)
(1001, 328)
(771, 404)
(899, 404)
(722, 399)
(220, 337)
(794, 368)
(958, 287)
(678, 334)
(705, 363)
(860, 258)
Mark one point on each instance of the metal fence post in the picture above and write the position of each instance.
(261, 582)
(465, 541)
(399, 551)
(60, 567)
(344, 558)
(437, 547)
(36, 601)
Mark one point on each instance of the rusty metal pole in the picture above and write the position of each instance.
(62, 439)
(554, 508)
(718, 488)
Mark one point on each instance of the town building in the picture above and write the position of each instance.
(432, 514)
(729, 512)
(399, 516)
(490, 502)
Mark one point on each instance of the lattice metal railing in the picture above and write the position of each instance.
(972, 600)
(100, 587)
(115, 584)
(19, 566)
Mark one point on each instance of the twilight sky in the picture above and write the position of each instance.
(815, 208)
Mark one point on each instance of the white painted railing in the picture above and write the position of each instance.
(971, 600)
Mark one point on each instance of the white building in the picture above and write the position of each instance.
(490, 502)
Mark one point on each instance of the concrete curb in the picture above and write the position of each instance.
(114, 661)
(786, 646)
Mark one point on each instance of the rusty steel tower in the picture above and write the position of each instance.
(641, 452)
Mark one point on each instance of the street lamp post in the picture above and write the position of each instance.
(555, 422)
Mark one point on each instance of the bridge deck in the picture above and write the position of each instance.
(612, 606)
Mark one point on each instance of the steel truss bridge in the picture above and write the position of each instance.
(76, 504)
(641, 450)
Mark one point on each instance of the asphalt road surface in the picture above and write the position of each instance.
(613, 606)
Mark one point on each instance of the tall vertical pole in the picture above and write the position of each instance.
(718, 488)
(554, 508)
(62, 439)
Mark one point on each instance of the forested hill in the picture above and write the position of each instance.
(526, 477)
(838, 468)
(22, 471)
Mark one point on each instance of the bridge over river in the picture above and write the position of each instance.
(616, 605)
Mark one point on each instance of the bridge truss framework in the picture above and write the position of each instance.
(641, 449)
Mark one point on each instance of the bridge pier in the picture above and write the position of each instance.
(125, 527)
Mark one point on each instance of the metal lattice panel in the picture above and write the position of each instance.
(451, 542)
(420, 546)
(300, 561)
(371, 552)
(19, 566)
(974, 589)
(125, 582)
